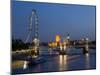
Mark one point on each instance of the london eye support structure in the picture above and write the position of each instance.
(34, 26)
(36, 40)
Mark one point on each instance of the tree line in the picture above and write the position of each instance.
(18, 44)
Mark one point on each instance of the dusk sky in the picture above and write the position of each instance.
(77, 20)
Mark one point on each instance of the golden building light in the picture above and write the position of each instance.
(58, 38)
(53, 44)
(49, 44)
(64, 43)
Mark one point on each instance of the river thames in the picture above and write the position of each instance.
(73, 60)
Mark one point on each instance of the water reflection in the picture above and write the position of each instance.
(38, 68)
(87, 60)
(62, 62)
(17, 64)
(50, 50)
(87, 57)
(87, 47)
(58, 62)
(25, 65)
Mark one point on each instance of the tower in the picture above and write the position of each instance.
(66, 40)
(58, 40)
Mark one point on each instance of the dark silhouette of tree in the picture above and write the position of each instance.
(18, 44)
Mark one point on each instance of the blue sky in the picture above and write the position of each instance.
(77, 20)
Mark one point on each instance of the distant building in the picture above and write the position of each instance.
(58, 38)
